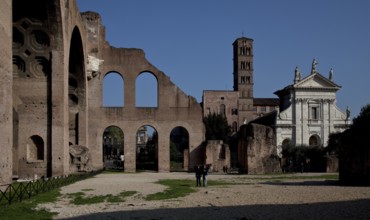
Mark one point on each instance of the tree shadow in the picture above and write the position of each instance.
(303, 183)
(354, 209)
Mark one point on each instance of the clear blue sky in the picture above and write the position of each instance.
(191, 41)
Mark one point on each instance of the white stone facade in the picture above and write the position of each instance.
(308, 113)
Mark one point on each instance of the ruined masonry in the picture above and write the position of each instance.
(53, 63)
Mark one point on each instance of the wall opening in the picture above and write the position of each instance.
(35, 149)
(314, 140)
(146, 148)
(113, 148)
(223, 110)
(179, 148)
(76, 85)
(113, 90)
(146, 90)
(286, 142)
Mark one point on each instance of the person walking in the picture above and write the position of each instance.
(205, 173)
(198, 175)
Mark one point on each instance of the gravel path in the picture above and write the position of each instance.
(251, 198)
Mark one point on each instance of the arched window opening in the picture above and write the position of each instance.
(113, 148)
(235, 126)
(35, 148)
(314, 140)
(76, 85)
(286, 142)
(147, 148)
(179, 149)
(113, 90)
(146, 90)
(223, 110)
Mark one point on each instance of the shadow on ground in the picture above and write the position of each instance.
(303, 183)
(356, 209)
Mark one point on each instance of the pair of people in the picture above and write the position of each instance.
(201, 171)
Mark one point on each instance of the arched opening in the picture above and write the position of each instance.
(35, 148)
(314, 140)
(286, 142)
(146, 90)
(113, 148)
(113, 90)
(76, 86)
(235, 127)
(179, 149)
(146, 148)
(223, 110)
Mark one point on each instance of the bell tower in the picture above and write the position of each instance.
(243, 77)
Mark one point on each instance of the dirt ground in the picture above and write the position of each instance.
(247, 197)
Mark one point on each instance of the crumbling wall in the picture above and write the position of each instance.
(217, 155)
(257, 152)
(80, 160)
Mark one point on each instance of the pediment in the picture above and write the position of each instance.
(316, 81)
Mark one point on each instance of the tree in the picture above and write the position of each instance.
(217, 128)
(361, 125)
(354, 150)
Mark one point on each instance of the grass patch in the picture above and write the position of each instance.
(80, 198)
(113, 171)
(120, 197)
(27, 208)
(176, 188)
(179, 188)
(281, 177)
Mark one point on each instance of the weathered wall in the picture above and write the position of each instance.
(212, 101)
(174, 109)
(53, 96)
(45, 57)
(257, 150)
(217, 155)
(6, 127)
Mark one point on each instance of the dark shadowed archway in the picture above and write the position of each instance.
(76, 87)
(179, 149)
(147, 148)
(113, 148)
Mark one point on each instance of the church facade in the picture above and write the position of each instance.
(305, 112)
(308, 113)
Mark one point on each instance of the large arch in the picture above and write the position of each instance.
(113, 148)
(76, 87)
(147, 148)
(146, 90)
(113, 90)
(179, 149)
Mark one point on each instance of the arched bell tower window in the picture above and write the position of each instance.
(223, 110)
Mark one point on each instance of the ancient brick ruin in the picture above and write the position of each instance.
(257, 152)
(53, 63)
